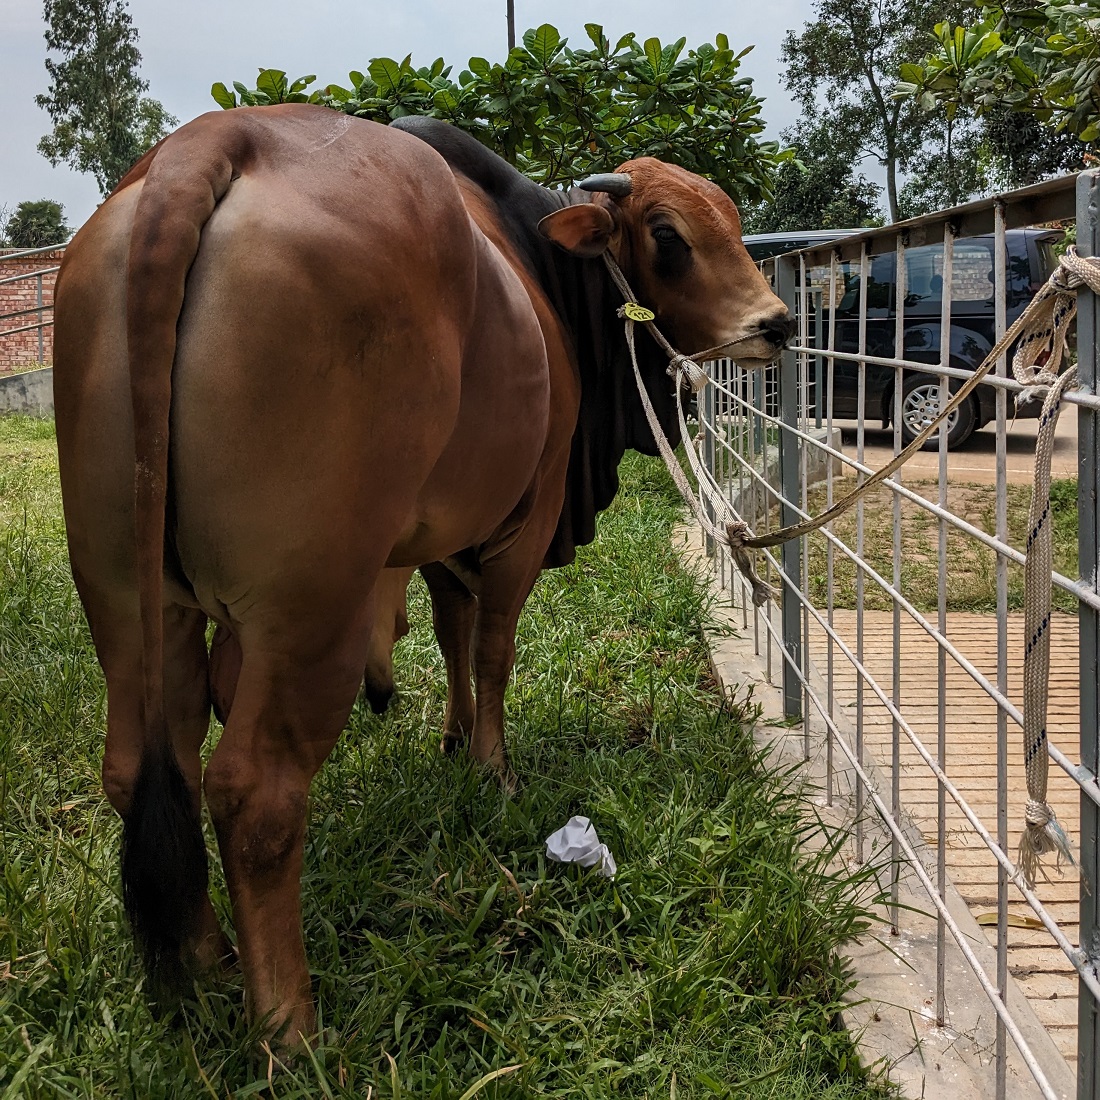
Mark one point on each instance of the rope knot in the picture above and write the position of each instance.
(1042, 836)
(688, 370)
(736, 533)
(1032, 393)
(1038, 814)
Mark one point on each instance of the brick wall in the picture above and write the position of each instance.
(21, 350)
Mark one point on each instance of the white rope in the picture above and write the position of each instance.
(1041, 331)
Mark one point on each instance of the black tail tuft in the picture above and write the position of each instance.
(164, 869)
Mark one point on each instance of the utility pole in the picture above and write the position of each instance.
(511, 25)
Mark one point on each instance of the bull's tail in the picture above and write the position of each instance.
(164, 866)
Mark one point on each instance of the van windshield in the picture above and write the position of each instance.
(972, 276)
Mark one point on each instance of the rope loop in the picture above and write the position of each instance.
(691, 372)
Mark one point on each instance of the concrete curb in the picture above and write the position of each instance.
(30, 392)
(891, 1013)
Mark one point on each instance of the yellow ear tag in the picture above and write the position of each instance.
(638, 313)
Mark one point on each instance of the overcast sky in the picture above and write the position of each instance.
(186, 45)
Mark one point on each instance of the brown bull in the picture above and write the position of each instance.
(294, 349)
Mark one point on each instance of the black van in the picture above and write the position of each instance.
(1030, 261)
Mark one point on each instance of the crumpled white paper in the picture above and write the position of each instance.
(577, 842)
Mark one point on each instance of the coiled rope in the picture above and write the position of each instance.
(1041, 331)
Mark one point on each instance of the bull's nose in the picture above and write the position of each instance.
(779, 329)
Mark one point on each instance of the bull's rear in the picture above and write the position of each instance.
(267, 340)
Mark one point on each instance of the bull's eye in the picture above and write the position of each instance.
(673, 258)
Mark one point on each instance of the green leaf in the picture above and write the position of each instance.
(653, 53)
(272, 82)
(479, 66)
(543, 43)
(445, 100)
(912, 74)
(386, 73)
(1022, 72)
(223, 96)
(987, 44)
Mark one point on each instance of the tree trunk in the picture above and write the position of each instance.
(952, 184)
(892, 183)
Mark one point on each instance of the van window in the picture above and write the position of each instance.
(880, 287)
(971, 276)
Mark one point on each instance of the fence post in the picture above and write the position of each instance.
(41, 337)
(1088, 489)
(708, 428)
(788, 476)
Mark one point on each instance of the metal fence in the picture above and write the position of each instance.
(919, 700)
(41, 307)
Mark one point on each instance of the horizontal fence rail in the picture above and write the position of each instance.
(41, 306)
(917, 698)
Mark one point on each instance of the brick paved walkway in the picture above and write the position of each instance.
(1036, 962)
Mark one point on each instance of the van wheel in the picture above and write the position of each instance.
(920, 405)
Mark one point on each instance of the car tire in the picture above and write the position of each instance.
(920, 404)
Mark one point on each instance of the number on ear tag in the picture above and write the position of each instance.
(638, 313)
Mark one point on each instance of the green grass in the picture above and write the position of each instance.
(971, 567)
(445, 947)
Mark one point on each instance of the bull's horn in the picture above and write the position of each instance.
(614, 183)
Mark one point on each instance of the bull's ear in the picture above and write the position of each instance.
(583, 230)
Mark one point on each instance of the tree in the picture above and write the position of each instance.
(1029, 73)
(842, 69)
(102, 123)
(36, 224)
(819, 190)
(559, 114)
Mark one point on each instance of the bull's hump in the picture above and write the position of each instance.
(467, 155)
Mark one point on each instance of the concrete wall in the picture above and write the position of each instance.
(29, 392)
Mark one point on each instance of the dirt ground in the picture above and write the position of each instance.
(976, 461)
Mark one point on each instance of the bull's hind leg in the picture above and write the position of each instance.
(454, 610)
(116, 630)
(290, 706)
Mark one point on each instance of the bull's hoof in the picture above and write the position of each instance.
(379, 698)
(452, 742)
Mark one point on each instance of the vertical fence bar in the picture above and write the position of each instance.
(707, 404)
(41, 330)
(818, 361)
(788, 475)
(1000, 293)
(1088, 491)
(759, 452)
(804, 501)
(830, 364)
(901, 290)
(861, 401)
(941, 603)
